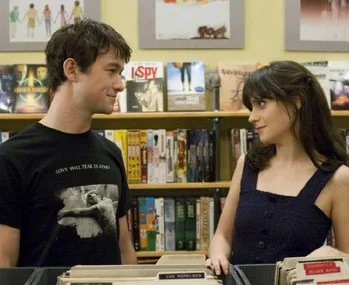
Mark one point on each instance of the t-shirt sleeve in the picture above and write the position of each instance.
(11, 191)
(125, 202)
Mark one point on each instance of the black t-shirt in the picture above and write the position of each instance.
(66, 194)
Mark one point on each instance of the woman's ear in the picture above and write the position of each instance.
(298, 102)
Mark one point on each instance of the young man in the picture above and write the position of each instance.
(63, 189)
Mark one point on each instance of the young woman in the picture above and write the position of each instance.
(63, 14)
(293, 184)
(46, 14)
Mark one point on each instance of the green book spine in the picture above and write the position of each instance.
(190, 223)
(180, 223)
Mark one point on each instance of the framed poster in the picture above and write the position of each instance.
(317, 25)
(201, 24)
(27, 25)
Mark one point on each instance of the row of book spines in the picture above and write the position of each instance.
(4, 136)
(168, 224)
(242, 140)
(331, 239)
(166, 156)
(188, 157)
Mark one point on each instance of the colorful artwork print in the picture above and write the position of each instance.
(192, 19)
(36, 21)
(324, 20)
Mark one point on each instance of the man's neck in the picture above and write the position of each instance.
(66, 116)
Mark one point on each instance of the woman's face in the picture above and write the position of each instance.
(92, 199)
(152, 85)
(271, 120)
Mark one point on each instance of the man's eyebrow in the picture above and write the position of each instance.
(115, 64)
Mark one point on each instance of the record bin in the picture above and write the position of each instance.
(256, 274)
(17, 275)
(48, 275)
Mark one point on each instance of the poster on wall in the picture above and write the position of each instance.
(27, 25)
(210, 24)
(317, 25)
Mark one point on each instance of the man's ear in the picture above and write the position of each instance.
(70, 69)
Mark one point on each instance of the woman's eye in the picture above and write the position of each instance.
(261, 103)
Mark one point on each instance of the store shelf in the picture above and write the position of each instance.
(123, 116)
(340, 113)
(21, 116)
(196, 185)
(155, 115)
(148, 254)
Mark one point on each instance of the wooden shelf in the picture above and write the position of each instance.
(246, 113)
(156, 115)
(123, 116)
(154, 254)
(21, 116)
(340, 113)
(196, 185)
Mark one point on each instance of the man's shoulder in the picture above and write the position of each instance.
(19, 140)
(112, 146)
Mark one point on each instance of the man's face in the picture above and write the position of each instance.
(41, 72)
(124, 82)
(21, 72)
(97, 89)
(152, 85)
(93, 199)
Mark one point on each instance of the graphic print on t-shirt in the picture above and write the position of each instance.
(91, 209)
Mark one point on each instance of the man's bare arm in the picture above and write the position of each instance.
(9, 246)
(127, 251)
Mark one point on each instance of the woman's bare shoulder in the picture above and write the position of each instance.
(340, 179)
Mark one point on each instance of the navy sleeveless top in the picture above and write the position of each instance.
(269, 227)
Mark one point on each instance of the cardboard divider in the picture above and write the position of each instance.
(48, 275)
(256, 274)
(17, 276)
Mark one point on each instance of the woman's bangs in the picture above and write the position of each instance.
(257, 86)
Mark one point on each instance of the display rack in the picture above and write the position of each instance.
(219, 121)
(262, 274)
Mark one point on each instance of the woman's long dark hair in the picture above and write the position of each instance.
(283, 81)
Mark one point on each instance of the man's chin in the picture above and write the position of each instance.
(104, 112)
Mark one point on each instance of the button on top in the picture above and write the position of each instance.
(272, 198)
(264, 231)
(261, 245)
(267, 214)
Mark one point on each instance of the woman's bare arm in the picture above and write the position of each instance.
(221, 245)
